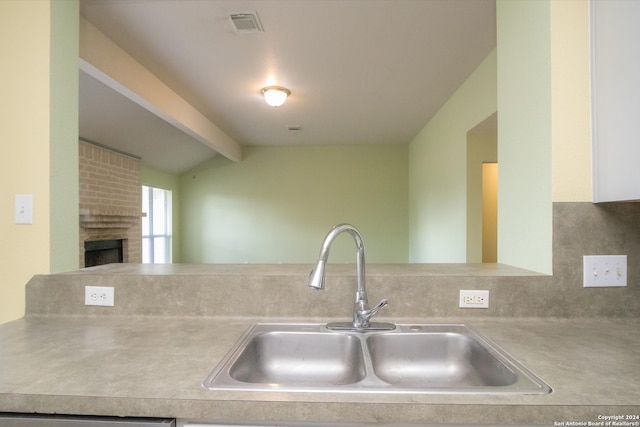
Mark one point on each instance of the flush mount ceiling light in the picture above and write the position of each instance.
(275, 95)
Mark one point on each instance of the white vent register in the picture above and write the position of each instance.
(246, 23)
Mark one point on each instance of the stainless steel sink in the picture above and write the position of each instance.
(440, 359)
(417, 358)
(304, 359)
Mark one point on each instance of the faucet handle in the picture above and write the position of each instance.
(361, 319)
(362, 315)
(375, 309)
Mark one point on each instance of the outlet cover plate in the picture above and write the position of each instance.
(604, 270)
(99, 295)
(474, 299)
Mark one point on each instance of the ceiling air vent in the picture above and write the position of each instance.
(246, 23)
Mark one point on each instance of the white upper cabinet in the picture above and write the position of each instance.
(615, 71)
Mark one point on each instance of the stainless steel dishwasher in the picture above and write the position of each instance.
(41, 420)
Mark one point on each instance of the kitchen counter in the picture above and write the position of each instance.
(128, 364)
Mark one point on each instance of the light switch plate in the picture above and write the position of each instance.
(604, 270)
(24, 209)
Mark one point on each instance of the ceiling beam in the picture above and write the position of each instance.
(107, 62)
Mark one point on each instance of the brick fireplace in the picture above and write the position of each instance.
(110, 201)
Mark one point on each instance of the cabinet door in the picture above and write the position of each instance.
(615, 74)
(40, 420)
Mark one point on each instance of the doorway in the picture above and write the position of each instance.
(490, 212)
(482, 191)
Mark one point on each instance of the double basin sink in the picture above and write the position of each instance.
(416, 358)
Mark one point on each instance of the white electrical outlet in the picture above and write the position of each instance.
(474, 299)
(604, 270)
(99, 295)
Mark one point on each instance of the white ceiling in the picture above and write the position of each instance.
(360, 71)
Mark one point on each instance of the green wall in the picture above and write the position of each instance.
(278, 203)
(438, 170)
(524, 134)
(63, 125)
(156, 178)
(514, 80)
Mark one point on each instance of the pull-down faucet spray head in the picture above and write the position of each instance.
(316, 278)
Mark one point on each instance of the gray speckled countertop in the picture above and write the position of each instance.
(77, 362)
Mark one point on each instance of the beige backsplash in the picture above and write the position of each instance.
(415, 291)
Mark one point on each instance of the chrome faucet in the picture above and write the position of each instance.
(362, 314)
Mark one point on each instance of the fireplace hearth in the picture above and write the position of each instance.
(100, 252)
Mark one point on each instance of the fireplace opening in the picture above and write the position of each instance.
(100, 252)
